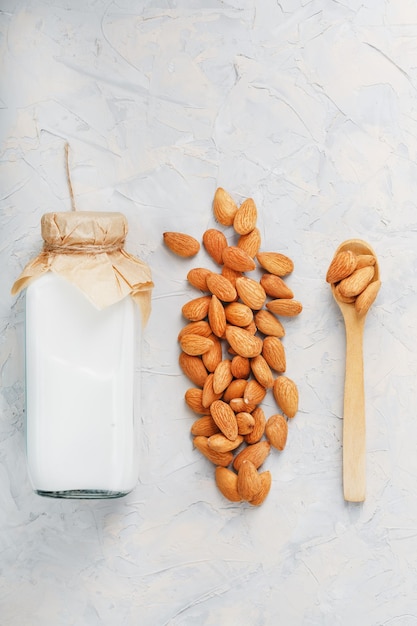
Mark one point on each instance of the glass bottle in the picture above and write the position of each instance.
(82, 347)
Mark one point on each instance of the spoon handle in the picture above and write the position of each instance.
(354, 428)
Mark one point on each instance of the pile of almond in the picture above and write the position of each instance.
(352, 278)
(232, 350)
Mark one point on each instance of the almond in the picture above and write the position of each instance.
(251, 292)
(268, 324)
(205, 426)
(258, 429)
(235, 389)
(248, 481)
(275, 263)
(181, 244)
(238, 314)
(254, 393)
(362, 260)
(342, 298)
(367, 297)
(222, 376)
(197, 277)
(195, 344)
(197, 328)
(225, 419)
(193, 368)
(237, 259)
(257, 453)
(212, 357)
(274, 353)
(226, 481)
(220, 443)
(231, 275)
(251, 242)
(209, 395)
(342, 265)
(224, 207)
(238, 405)
(275, 287)
(266, 481)
(218, 458)
(217, 317)
(285, 306)
(221, 287)
(240, 366)
(245, 217)
(262, 371)
(251, 328)
(286, 395)
(276, 431)
(244, 343)
(196, 309)
(354, 284)
(194, 399)
(245, 422)
(214, 242)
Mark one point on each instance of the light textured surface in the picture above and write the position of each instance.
(310, 108)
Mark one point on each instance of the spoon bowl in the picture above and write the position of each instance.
(354, 426)
(358, 246)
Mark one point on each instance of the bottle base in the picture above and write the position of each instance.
(82, 494)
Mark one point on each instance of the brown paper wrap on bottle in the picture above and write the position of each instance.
(87, 248)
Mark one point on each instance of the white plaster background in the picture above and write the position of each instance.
(311, 108)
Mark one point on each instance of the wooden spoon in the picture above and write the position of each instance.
(354, 431)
